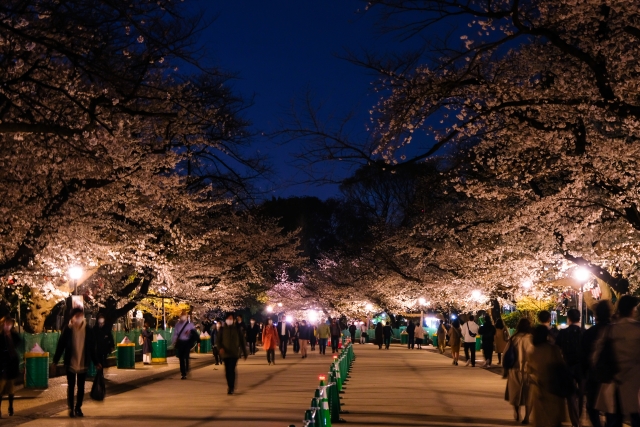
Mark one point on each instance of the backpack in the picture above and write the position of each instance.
(510, 356)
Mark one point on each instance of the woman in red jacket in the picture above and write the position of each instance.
(270, 341)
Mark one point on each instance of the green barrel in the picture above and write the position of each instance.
(91, 372)
(159, 351)
(36, 370)
(126, 356)
(205, 345)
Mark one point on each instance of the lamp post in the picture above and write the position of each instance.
(582, 274)
(75, 273)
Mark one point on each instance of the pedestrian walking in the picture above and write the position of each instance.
(103, 337)
(620, 398)
(387, 332)
(592, 384)
(304, 335)
(270, 341)
(517, 391)
(241, 325)
(363, 332)
(352, 331)
(442, 337)
(411, 335)
(324, 332)
(182, 340)
(147, 338)
(284, 332)
(335, 335)
(295, 337)
(78, 347)
(488, 332)
(469, 333)
(252, 335)
(313, 334)
(569, 340)
(214, 349)
(545, 367)
(502, 337)
(379, 335)
(544, 318)
(9, 361)
(419, 336)
(455, 340)
(232, 346)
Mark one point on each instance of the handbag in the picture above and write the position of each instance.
(140, 339)
(98, 389)
(505, 334)
(606, 366)
(510, 357)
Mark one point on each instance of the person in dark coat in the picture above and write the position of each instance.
(252, 335)
(379, 335)
(295, 336)
(411, 332)
(304, 335)
(352, 331)
(78, 346)
(105, 344)
(285, 335)
(334, 327)
(387, 332)
(9, 361)
(570, 342)
(232, 345)
(588, 344)
(147, 339)
(214, 333)
(488, 333)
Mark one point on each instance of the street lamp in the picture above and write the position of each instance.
(75, 273)
(269, 309)
(476, 294)
(582, 275)
(527, 284)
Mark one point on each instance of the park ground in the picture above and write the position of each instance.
(396, 387)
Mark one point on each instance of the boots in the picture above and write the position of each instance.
(11, 405)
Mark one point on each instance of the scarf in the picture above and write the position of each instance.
(78, 335)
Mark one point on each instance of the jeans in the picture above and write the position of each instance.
(216, 355)
(284, 341)
(470, 347)
(230, 372)
(183, 351)
(252, 347)
(322, 342)
(71, 381)
(387, 342)
(335, 339)
(296, 345)
(411, 341)
(488, 355)
(271, 356)
(574, 403)
(353, 338)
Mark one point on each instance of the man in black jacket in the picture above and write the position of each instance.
(570, 342)
(78, 346)
(104, 339)
(252, 335)
(284, 333)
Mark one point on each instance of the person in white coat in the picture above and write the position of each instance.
(469, 333)
(419, 336)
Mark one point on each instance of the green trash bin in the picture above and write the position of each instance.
(404, 338)
(434, 338)
(478, 343)
(205, 345)
(126, 356)
(159, 351)
(91, 372)
(36, 372)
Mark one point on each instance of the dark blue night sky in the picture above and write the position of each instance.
(279, 49)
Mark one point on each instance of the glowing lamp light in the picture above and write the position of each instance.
(313, 316)
(269, 309)
(289, 319)
(527, 284)
(279, 304)
(335, 357)
(476, 294)
(322, 377)
(453, 316)
(75, 272)
(422, 301)
(582, 274)
(369, 307)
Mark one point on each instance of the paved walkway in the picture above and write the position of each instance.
(391, 388)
